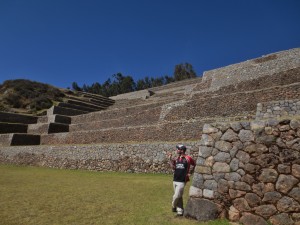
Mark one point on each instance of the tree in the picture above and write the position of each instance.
(75, 87)
(184, 71)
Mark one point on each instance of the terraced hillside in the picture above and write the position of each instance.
(134, 131)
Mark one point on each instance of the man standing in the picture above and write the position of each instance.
(183, 167)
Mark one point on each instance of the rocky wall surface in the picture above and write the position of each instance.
(253, 69)
(248, 172)
(135, 158)
(277, 109)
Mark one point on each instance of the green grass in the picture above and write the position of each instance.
(32, 195)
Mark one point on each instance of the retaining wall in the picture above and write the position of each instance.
(277, 109)
(253, 69)
(249, 171)
(137, 158)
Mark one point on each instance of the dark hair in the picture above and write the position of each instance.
(181, 147)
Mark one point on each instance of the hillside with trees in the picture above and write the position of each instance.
(120, 84)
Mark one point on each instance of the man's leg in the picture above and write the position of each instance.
(177, 197)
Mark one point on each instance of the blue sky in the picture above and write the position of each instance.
(87, 41)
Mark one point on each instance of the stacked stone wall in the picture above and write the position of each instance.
(176, 131)
(275, 109)
(137, 158)
(253, 69)
(250, 171)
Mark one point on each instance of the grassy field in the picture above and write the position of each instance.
(31, 195)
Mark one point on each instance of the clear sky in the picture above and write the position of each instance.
(87, 41)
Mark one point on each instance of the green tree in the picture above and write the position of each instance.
(184, 71)
(75, 87)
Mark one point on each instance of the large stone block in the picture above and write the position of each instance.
(202, 209)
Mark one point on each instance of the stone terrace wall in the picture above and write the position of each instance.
(250, 170)
(137, 158)
(253, 69)
(277, 109)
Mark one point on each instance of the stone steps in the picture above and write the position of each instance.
(87, 104)
(64, 111)
(47, 128)
(6, 128)
(17, 118)
(19, 139)
(90, 101)
(77, 107)
(176, 131)
(143, 117)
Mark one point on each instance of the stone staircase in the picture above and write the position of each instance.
(18, 129)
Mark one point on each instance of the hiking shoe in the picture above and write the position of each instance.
(174, 210)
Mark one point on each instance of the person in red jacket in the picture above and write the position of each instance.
(183, 167)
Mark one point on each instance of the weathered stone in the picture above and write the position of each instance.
(265, 210)
(221, 167)
(230, 135)
(206, 140)
(241, 204)
(200, 161)
(250, 219)
(203, 169)
(271, 197)
(242, 186)
(198, 180)
(222, 186)
(295, 124)
(218, 176)
(281, 219)
(248, 179)
(233, 214)
(250, 168)
(208, 129)
(296, 217)
(284, 127)
(205, 151)
(295, 194)
(258, 189)
(233, 151)
(296, 170)
(209, 161)
(257, 125)
(268, 175)
(222, 157)
(236, 194)
(207, 176)
(233, 176)
(267, 140)
(284, 169)
(216, 136)
(211, 185)
(202, 209)
(234, 164)
(195, 192)
(285, 183)
(267, 160)
(252, 199)
(246, 135)
(243, 156)
(208, 194)
(256, 148)
(223, 146)
(287, 204)
(268, 130)
(236, 126)
(269, 187)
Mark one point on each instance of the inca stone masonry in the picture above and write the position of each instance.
(241, 123)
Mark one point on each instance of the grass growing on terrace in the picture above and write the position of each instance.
(31, 195)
